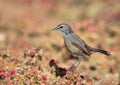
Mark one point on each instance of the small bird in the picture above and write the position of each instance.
(75, 45)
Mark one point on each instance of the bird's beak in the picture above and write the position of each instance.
(54, 29)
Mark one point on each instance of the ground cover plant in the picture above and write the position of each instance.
(32, 54)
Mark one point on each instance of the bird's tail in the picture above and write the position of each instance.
(101, 51)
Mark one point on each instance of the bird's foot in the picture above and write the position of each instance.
(72, 68)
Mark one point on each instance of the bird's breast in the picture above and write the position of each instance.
(70, 47)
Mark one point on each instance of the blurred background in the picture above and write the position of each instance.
(27, 24)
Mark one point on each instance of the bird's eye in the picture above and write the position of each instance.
(60, 27)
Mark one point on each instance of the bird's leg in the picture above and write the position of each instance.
(73, 65)
(79, 58)
(76, 64)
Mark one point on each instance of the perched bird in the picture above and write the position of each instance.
(75, 45)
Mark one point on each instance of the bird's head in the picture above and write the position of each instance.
(64, 29)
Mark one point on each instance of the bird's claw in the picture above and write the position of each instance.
(72, 68)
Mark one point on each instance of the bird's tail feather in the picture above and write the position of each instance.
(101, 51)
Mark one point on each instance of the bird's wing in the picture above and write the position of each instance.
(79, 43)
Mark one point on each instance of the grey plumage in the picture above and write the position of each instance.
(75, 45)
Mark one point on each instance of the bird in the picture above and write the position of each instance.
(75, 45)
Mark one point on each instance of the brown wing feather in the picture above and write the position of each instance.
(78, 42)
